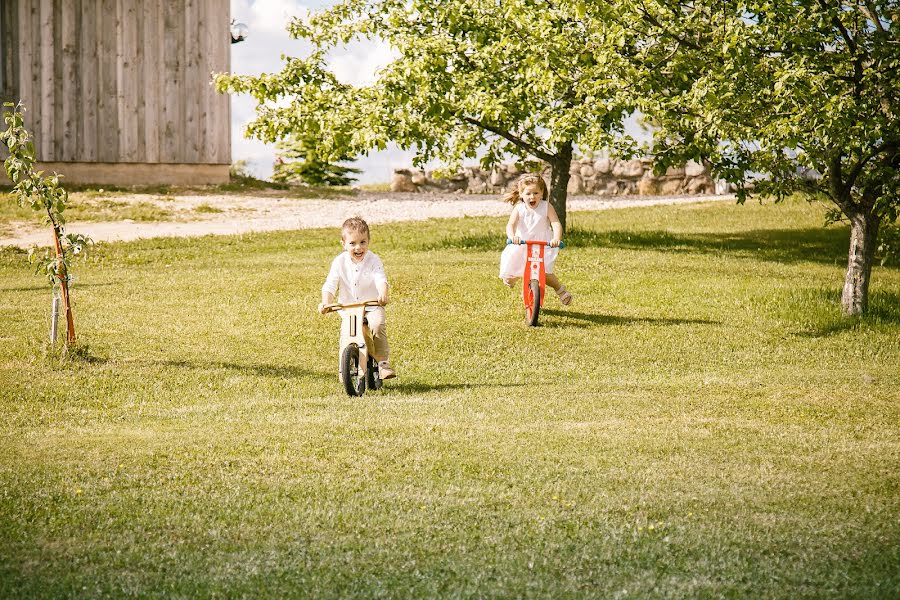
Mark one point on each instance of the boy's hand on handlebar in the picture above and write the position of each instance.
(322, 308)
(382, 299)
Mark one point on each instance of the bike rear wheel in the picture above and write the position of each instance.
(533, 303)
(351, 375)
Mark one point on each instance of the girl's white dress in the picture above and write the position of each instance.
(532, 225)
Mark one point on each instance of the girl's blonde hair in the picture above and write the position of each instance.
(512, 196)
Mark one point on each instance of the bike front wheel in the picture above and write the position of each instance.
(351, 374)
(533, 303)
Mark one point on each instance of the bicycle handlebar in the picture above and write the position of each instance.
(522, 242)
(338, 306)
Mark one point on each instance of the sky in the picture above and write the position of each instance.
(261, 53)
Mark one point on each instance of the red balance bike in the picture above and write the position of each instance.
(358, 369)
(533, 279)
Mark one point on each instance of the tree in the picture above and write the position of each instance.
(470, 77)
(786, 96)
(43, 194)
(303, 164)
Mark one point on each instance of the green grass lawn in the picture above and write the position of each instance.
(701, 422)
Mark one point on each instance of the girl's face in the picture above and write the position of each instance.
(531, 194)
(356, 243)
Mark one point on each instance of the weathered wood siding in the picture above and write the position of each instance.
(125, 81)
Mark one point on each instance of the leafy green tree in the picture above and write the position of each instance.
(470, 77)
(43, 194)
(299, 162)
(778, 96)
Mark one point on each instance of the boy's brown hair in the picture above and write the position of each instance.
(355, 224)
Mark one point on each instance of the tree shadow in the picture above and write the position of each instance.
(46, 287)
(600, 319)
(884, 309)
(812, 244)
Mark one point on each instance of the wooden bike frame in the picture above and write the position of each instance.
(354, 330)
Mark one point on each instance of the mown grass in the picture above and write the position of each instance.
(701, 422)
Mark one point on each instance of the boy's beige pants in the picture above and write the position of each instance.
(376, 320)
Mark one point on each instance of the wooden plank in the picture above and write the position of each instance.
(126, 80)
(203, 26)
(136, 173)
(219, 44)
(141, 154)
(26, 51)
(193, 87)
(78, 90)
(36, 79)
(58, 99)
(9, 39)
(107, 107)
(153, 69)
(46, 78)
(88, 140)
(172, 124)
(68, 82)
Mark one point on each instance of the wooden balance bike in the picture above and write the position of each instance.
(533, 278)
(357, 368)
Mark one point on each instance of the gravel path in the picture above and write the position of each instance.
(245, 214)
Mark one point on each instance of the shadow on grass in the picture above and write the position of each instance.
(282, 371)
(884, 309)
(819, 244)
(419, 387)
(46, 287)
(599, 319)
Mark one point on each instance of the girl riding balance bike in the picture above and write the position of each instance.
(532, 220)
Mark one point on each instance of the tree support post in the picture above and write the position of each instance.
(64, 288)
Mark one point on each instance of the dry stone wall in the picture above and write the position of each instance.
(601, 177)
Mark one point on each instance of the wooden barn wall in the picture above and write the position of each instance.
(125, 81)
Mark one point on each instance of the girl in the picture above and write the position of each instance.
(532, 218)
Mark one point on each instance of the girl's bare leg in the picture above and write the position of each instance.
(553, 281)
(564, 296)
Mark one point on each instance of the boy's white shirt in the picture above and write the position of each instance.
(355, 282)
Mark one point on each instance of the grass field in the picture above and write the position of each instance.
(700, 422)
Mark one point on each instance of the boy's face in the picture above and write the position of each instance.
(356, 243)
(531, 194)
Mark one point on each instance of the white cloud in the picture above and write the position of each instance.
(261, 52)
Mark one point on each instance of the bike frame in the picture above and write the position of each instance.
(534, 266)
(354, 330)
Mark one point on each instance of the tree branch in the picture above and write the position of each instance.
(534, 150)
(871, 13)
(851, 43)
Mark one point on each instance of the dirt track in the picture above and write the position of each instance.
(245, 214)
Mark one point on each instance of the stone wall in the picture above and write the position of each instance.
(601, 177)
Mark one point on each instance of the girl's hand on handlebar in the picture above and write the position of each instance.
(554, 242)
(516, 240)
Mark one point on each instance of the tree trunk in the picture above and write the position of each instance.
(64, 288)
(863, 241)
(559, 181)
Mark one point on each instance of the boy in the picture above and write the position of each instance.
(359, 274)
